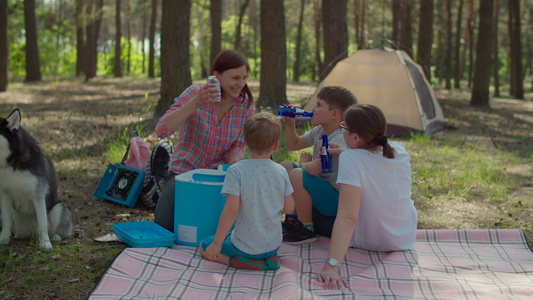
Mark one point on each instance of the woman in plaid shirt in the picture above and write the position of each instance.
(210, 132)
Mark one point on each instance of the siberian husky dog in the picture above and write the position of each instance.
(28, 189)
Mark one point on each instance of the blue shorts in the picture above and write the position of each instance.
(325, 197)
(230, 250)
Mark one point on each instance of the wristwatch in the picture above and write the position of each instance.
(332, 262)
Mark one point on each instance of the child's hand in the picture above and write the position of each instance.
(305, 158)
(212, 252)
(335, 150)
(289, 122)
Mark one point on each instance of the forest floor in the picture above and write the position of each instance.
(74, 123)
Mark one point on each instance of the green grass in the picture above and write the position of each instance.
(460, 184)
(448, 169)
(118, 144)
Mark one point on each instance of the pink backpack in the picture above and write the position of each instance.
(137, 154)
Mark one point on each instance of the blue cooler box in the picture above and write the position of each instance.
(198, 205)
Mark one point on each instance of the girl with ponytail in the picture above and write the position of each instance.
(375, 210)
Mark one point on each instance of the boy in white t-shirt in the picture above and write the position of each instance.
(316, 194)
(257, 190)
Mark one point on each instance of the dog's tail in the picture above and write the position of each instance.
(59, 222)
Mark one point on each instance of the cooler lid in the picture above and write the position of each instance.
(203, 176)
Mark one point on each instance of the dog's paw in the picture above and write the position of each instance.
(4, 238)
(56, 238)
(45, 245)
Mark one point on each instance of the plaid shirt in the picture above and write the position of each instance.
(203, 142)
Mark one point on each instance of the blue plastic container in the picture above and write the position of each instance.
(198, 205)
(144, 234)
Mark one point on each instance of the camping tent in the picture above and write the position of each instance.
(392, 81)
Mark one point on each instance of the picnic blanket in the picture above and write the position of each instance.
(445, 264)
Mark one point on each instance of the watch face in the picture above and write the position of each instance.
(332, 262)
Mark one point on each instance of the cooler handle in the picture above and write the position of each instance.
(208, 177)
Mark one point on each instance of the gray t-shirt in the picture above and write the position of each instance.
(314, 137)
(262, 186)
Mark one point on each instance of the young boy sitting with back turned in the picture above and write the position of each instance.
(316, 194)
(256, 190)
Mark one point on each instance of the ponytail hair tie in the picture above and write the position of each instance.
(380, 140)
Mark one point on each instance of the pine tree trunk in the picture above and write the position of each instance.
(175, 37)
(425, 36)
(468, 40)
(238, 38)
(4, 74)
(317, 22)
(151, 55)
(94, 13)
(406, 37)
(396, 12)
(33, 65)
(448, 41)
(80, 37)
(128, 35)
(216, 29)
(335, 31)
(495, 58)
(480, 88)
(296, 68)
(517, 88)
(458, 74)
(117, 68)
(272, 87)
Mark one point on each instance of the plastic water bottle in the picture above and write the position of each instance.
(213, 79)
(292, 112)
(325, 156)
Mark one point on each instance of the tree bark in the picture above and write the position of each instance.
(175, 60)
(143, 16)
(95, 14)
(128, 35)
(396, 8)
(458, 74)
(448, 35)
(317, 22)
(80, 37)
(495, 59)
(273, 82)
(468, 37)
(216, 29)
(480, 88)
(117, 68)
(151, 55)
(238, 38)
(517, 88)
(406, 37)
(335, 31)
(357, 22)
(33, 65)
(296, 67)
(425, 36)
(4, 74)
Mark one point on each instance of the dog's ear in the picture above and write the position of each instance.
(13, 121)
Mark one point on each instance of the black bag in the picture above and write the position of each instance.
(156, 173)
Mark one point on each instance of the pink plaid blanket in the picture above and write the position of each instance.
(445, 264)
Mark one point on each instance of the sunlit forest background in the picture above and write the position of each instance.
(67, 31)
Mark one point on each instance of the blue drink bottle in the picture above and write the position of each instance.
(325, 156)
(289, 111)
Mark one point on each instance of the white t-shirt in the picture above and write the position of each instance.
(314, 137)
(262, 186)
(387, 216)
